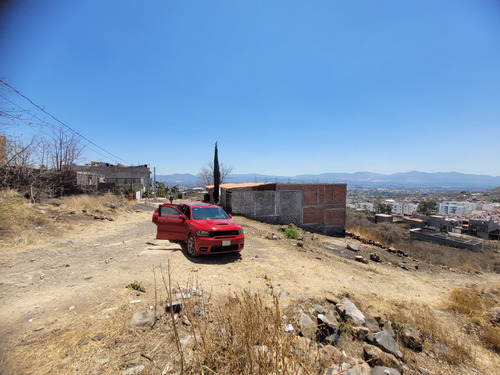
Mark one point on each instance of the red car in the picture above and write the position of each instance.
(205, 228)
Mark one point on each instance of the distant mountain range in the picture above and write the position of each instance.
(446, 180)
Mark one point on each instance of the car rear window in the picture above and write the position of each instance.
(209, 213)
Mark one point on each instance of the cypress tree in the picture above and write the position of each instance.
(216, 175)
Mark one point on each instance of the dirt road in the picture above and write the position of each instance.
(90, 266)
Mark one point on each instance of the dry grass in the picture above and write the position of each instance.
(241, 333)
(433, 329)
(93, 203)
(474, 306)
(394, 235)
(23, 223)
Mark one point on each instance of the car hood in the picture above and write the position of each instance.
(215, 224)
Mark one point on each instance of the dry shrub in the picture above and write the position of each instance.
(474, 305)
(92, 202)
(384, 233)
(244, 333)
(100, 341)
(423, 318)
(238, 334)
(18, 221)
(23, 223)
(9, 193)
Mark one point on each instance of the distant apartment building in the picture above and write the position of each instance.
(489, 207)
(401, 208)
(455, 208)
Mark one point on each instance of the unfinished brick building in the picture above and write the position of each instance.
(318, 208)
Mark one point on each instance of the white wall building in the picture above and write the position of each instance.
(409, 208)
(455, 208)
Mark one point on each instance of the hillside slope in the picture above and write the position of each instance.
(71, 286)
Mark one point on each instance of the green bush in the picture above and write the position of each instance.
(291, 232)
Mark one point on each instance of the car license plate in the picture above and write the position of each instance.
(226, 243)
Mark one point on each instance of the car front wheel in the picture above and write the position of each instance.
(191, 246)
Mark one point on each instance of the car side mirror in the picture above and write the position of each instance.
(183, 217)
(230, 216)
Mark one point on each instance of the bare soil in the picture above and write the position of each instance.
(60, 279)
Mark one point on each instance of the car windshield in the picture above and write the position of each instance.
(209, 213)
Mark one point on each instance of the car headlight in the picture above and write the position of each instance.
(240, 231)
(203, 233)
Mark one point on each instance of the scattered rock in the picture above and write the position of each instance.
(360, 332)
(387, 326)
(346, 369)
(83, 341)
(375, 257)
(413, 339)
(39, 328)
(307, 326)
(327, 332)
(386, 342)
(353, 246)
(143, 318)
(381, 370)
(378, 358)
(272, 236)
(352, 312)
(332, 354)
(320, 309)
(371, 323)
(134, 370)
(359, 258)
(495, 315)
(98, 337)
(300, 243)
(441, 350)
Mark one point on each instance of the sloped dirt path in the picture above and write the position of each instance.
(92, 264)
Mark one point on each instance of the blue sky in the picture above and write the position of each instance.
(284, 87)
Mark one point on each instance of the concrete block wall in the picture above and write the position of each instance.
(315, 207)
(323, 206)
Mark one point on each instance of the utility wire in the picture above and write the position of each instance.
(62, 123)
(39, 119)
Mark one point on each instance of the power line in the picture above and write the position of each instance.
(39, 119)
(62, 123)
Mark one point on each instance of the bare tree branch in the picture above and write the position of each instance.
(206, 173)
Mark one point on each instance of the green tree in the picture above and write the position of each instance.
(426, 207)
(216, 175)
(385, 209)
(174, 190)
(161, 189)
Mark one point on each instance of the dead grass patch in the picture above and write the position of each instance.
(474, 305)
(93, 203)
(394, 235)
(239, 333)
(23, 223)
(425, 319)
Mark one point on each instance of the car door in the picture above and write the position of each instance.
(171, 223)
